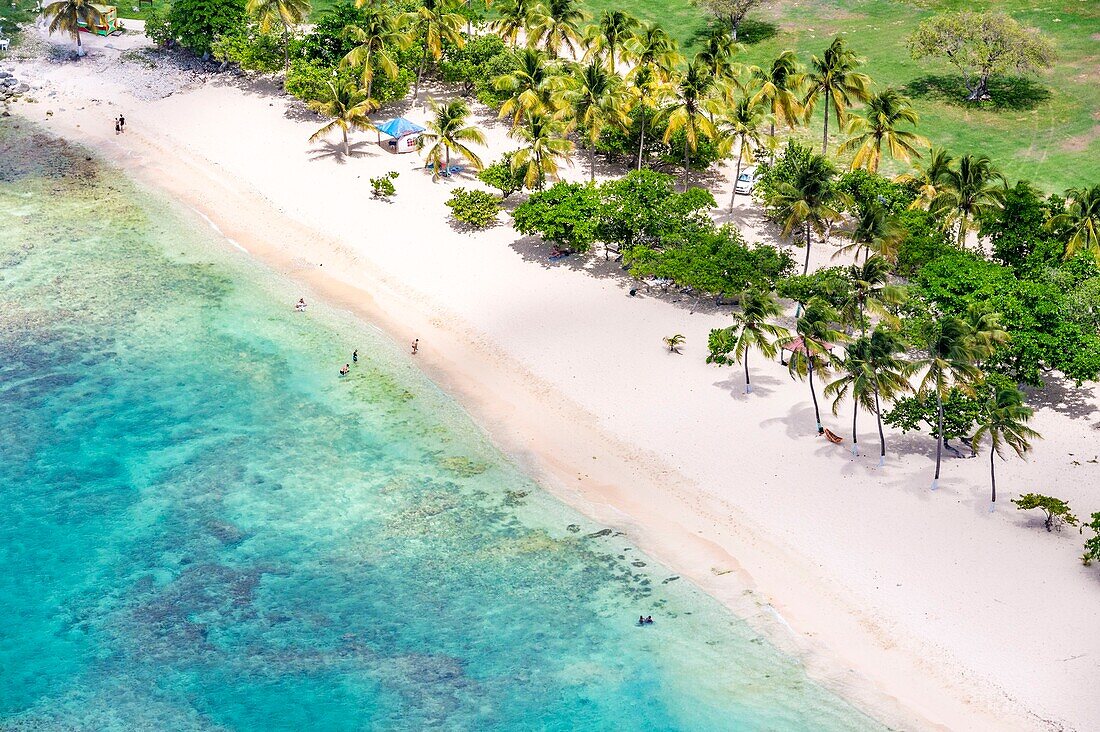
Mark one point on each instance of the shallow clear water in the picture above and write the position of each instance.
(205, 527)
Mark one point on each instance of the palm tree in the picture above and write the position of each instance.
(649, 91)
(691, 110)
(596, 98)
(885, 357)
(448, 132)
(750, 329)
(1081, 218)
(378, 37)
(971, 190)
(531, 85)
(874, 232)
(555, 24)
(878, 124)
(652, 47)
(857, 378)
(348, 107)
(718, 50)
(741, 123)
(287, 13)
(513, 18)
(611, 33)
(810, 352)
(779, 85)
(674, 342)
(833, 78)
(810, 203)
(930, 177)
(953, 350)
(68, 15)
(871, 290)
(1005, 423)
(434, 23)
(545, 141)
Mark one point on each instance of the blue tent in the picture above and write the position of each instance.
(399, 127)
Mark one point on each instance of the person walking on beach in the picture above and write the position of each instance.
(118, 127)
(121, 123)
(416, 345)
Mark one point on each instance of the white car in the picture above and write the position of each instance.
(746, 180)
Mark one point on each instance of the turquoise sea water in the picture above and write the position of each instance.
(202, 526)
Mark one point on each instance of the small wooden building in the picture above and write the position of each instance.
(108, 21)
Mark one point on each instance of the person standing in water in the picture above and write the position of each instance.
(344, 371)
(355, 356)
(416, 345)
(121, 123)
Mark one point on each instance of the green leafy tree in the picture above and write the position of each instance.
(286, 14)
(751, 329)
(349, 109)
(196, 23)
(741, 124)
(1005, 424)
(691, 111)
(434, 23)
(981, 44)
(377, 38)
(476, 65)
(610, 35)
(831, 284)
(778, 87)
(565, 214)
(730, 13)
(66, 16)
(596, 98)
(1056, 512)
(449, 131)
(642, 208)
(1019, 230)
(833, 78)
(878, 125)
(476, 209)
(502, 176)
(971, 190)
(544, 143)
(1081, 218)
(811, 351)
(555, 25)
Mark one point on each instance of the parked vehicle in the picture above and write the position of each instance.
(746, 180)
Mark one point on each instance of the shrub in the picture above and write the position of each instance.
(250, 49)
(831, 284)
(1092, 545)
(382, 186)
(1055, 510)
(865, 188)
(794, 158)
(477, 209)
(476, 64)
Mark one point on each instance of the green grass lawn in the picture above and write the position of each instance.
(1047, 127)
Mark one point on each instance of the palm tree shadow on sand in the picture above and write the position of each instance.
(335, 151)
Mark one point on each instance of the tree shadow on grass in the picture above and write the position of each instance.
(1008, 93)
(755, 31)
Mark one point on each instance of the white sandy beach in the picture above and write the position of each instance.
(923, 607)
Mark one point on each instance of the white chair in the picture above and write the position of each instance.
(4, 43)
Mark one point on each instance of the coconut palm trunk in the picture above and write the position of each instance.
(806, 265)
(286, 51)
(592, 161)
(855, 437)
(641, 141)
(687, 162)
(993, 475)
(939, 436)
(420, 73)
(737, 173)
(881, 434)
(748, 384)
(347, 147)
(813, 395)
(825, 133)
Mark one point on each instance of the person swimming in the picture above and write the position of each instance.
(301, 304)
(347, 369)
